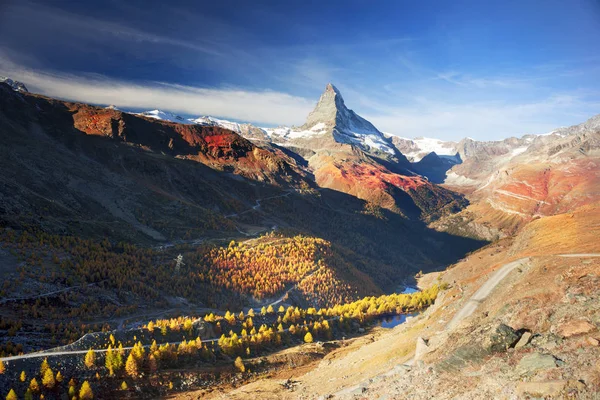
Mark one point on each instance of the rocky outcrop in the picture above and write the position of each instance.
(575, 328)
(15, 85)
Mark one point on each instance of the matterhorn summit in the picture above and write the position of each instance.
(332, 119)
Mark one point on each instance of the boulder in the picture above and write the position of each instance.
(525, 338)
(422, 348)
(575, 327)
(536, 361)
(502, 338)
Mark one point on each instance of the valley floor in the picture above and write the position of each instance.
(520, 320)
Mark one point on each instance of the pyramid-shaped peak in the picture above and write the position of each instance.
(331, 116)
(331, 88)
(332, 93)
(327, 109)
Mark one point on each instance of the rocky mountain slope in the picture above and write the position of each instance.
(347, 153)
(516, 180)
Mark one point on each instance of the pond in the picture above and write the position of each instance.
(409, 290)
(394, 320)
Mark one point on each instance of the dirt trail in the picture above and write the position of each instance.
(484, 291)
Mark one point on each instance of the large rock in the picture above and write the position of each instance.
(537, 361)
(575, 327)
(422, 348)
(524, 340)
(502, 338)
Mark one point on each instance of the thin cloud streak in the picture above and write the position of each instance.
(491, 121)
(262, 107)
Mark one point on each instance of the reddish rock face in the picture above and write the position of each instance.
(413, 196)
(574, 328)
(216, 147)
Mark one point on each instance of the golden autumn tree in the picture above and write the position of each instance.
(11, 395)
(152, 364)
(44, 366)
(34, 386)
(90, 359)
(48, 379)
(2, 367)
(131, 365)
(239, 364)
(85, 393)
(308, 338)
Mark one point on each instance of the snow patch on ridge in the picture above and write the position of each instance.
(165, 116)
(424, 146)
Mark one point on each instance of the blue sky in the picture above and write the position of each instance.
(445, 69)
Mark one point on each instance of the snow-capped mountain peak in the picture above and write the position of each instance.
(165, 116)
(416, 149)
(16, 85)
(331, 116)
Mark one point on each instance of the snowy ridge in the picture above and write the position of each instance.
(416, 149)
(286, 133)
(211, 121)
(247, 130)
(17, 86)
(165, 116)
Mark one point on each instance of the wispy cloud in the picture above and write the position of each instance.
(262, 107)
(485, 121)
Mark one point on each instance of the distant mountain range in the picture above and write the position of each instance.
(331, 123)
(338, 149)
(490, 172)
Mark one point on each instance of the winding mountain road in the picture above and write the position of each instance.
(484, 291)
(471, 305)
(257, 205)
